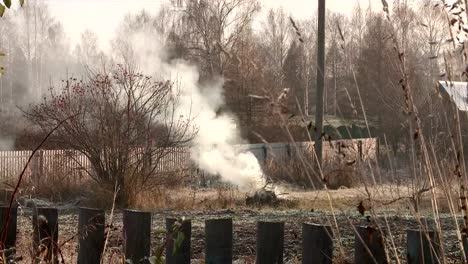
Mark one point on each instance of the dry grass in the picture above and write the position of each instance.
(180, 199)
(386, 197)
(54, 189)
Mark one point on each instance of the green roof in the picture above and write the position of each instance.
(328, 120)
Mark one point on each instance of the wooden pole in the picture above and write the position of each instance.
(182, 254)
(320, 79)
(369, 246)
(423, 247)
(218, 246)
(317, 244)
(270, 242)
(137, 235)
(91, 225)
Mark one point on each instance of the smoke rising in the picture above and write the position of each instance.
(215, 148)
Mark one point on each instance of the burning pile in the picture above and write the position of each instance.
(263, 197)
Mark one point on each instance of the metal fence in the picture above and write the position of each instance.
(359, 149)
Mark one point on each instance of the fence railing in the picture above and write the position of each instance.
(71, 164)
(76, 166)
(317, 240)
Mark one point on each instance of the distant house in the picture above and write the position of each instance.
(337, 128)
(456, 93)
(455, 100)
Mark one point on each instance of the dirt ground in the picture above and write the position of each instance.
(302, 207)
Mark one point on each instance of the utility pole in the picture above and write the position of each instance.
(320, 80)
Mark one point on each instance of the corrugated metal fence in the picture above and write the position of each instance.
(359, 149)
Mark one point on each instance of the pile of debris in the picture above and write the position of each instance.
(262, 197)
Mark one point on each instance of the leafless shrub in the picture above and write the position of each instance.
(125, 123)
(340, 177)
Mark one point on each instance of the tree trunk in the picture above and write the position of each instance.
(123, 194)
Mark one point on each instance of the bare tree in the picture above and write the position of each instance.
(32, 32)
(245, 76)
(308, 62)
(277, 35)
(431, 33)
(337, 65)
(125, 125)
(212, 28)
(87, 52)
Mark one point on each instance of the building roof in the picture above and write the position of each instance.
(458, 92)
(328, 120)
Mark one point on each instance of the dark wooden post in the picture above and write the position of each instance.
(137, 235)
(11, 230)
(317, 244)
(377, 143)
(423, 249)
(465, 246)
(182, 254)
(270, 242)
(360, 151)
(41, 163)
(91, 224)
(369, 246)
(6, 196)
(218, 246)
(45, 233)
(37, 164)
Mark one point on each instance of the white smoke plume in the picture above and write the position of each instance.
(215, 148)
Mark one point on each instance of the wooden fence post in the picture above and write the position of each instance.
(91, 224)
(218, 246)
(41, 163)
(11, 230)
(270, 242)
(6, 196)
(183, 254)
(137, 235)
(465, 246)
(37, 166)
(423, 249)
(45, 233)
(360, 151)
(369, 245)
(317, 244)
